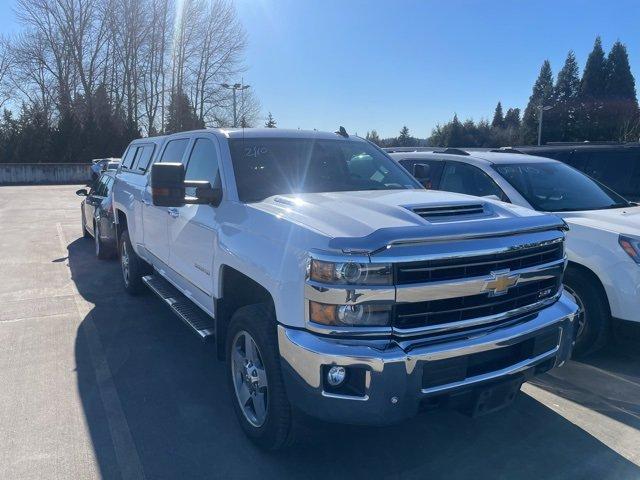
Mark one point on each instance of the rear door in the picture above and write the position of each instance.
(155, 219)
(192, 228)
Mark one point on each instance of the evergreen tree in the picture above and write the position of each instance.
(455, 135)
(180, 115)
(541, 95)
(560, 122)
(621, 105)
(67, 137)
(9, 136)
(405, 139)
(512, 119)
(33, 145)
(498, 118)
(374, 137)
(592, 94)
(270, 123)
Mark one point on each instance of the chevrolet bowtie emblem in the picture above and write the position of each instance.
(501, 282)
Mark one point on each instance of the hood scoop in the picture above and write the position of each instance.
(446, 212)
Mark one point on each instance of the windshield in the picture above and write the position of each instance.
(556, 187)
(271, 166)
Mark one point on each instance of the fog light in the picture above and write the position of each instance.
(336, 375)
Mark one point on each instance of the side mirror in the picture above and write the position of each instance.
(167, 184)
(421, 171)
(82, 192)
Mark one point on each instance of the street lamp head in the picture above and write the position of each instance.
(237, 86)
(244, 87)
(225, 85)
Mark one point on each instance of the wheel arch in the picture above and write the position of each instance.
(587, 272)
(237, 290)
(121, 223)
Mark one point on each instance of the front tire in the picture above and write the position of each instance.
(594, 317)
(255, 379)
(133, 267)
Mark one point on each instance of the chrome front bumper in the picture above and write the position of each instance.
(394, 384)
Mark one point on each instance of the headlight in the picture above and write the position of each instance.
(350, 315)
(351, 273)
(631, 246)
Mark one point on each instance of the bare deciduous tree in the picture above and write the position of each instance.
(118, 64)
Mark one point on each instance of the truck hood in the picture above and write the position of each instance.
(615, 220)
(368, 220)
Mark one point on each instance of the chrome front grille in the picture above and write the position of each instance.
(459, 293)
(465, 267)
(453, 310)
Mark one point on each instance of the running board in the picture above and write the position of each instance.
(201, 323)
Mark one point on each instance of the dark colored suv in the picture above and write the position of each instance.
(617, 165)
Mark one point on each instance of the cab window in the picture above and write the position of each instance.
(202, 164)
(127, 160)
(463, 178)
(143, 157)
(174, 150)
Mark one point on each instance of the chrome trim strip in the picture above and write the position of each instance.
(444, 327)
(424, 292)
(345, 331)
(345, 397)
(348, 295)
(515, 368)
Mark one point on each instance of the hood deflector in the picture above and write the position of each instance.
(384, 238)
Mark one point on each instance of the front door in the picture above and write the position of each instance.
(192, 228)
(155, 219)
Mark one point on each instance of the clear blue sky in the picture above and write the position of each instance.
(379, 64)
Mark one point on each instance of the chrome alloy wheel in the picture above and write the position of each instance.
(124, 262)
(582, 315)
(249, 378)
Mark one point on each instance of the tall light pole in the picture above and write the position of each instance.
(541, 110)
(235, 87)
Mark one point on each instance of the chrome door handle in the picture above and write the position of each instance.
(173, 212)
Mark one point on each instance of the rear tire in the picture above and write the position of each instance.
(274, 430)
(133, 267)
(103, 252)
(593, 325)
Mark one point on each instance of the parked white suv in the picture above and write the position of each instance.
(333, 284)
(603, 244)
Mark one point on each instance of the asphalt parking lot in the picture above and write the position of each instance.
(97, 384)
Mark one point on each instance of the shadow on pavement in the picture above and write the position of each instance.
(178, 411)
(607, 382)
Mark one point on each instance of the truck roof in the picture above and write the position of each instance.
(281, 133)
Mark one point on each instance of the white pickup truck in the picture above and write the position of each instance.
(333, 284)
